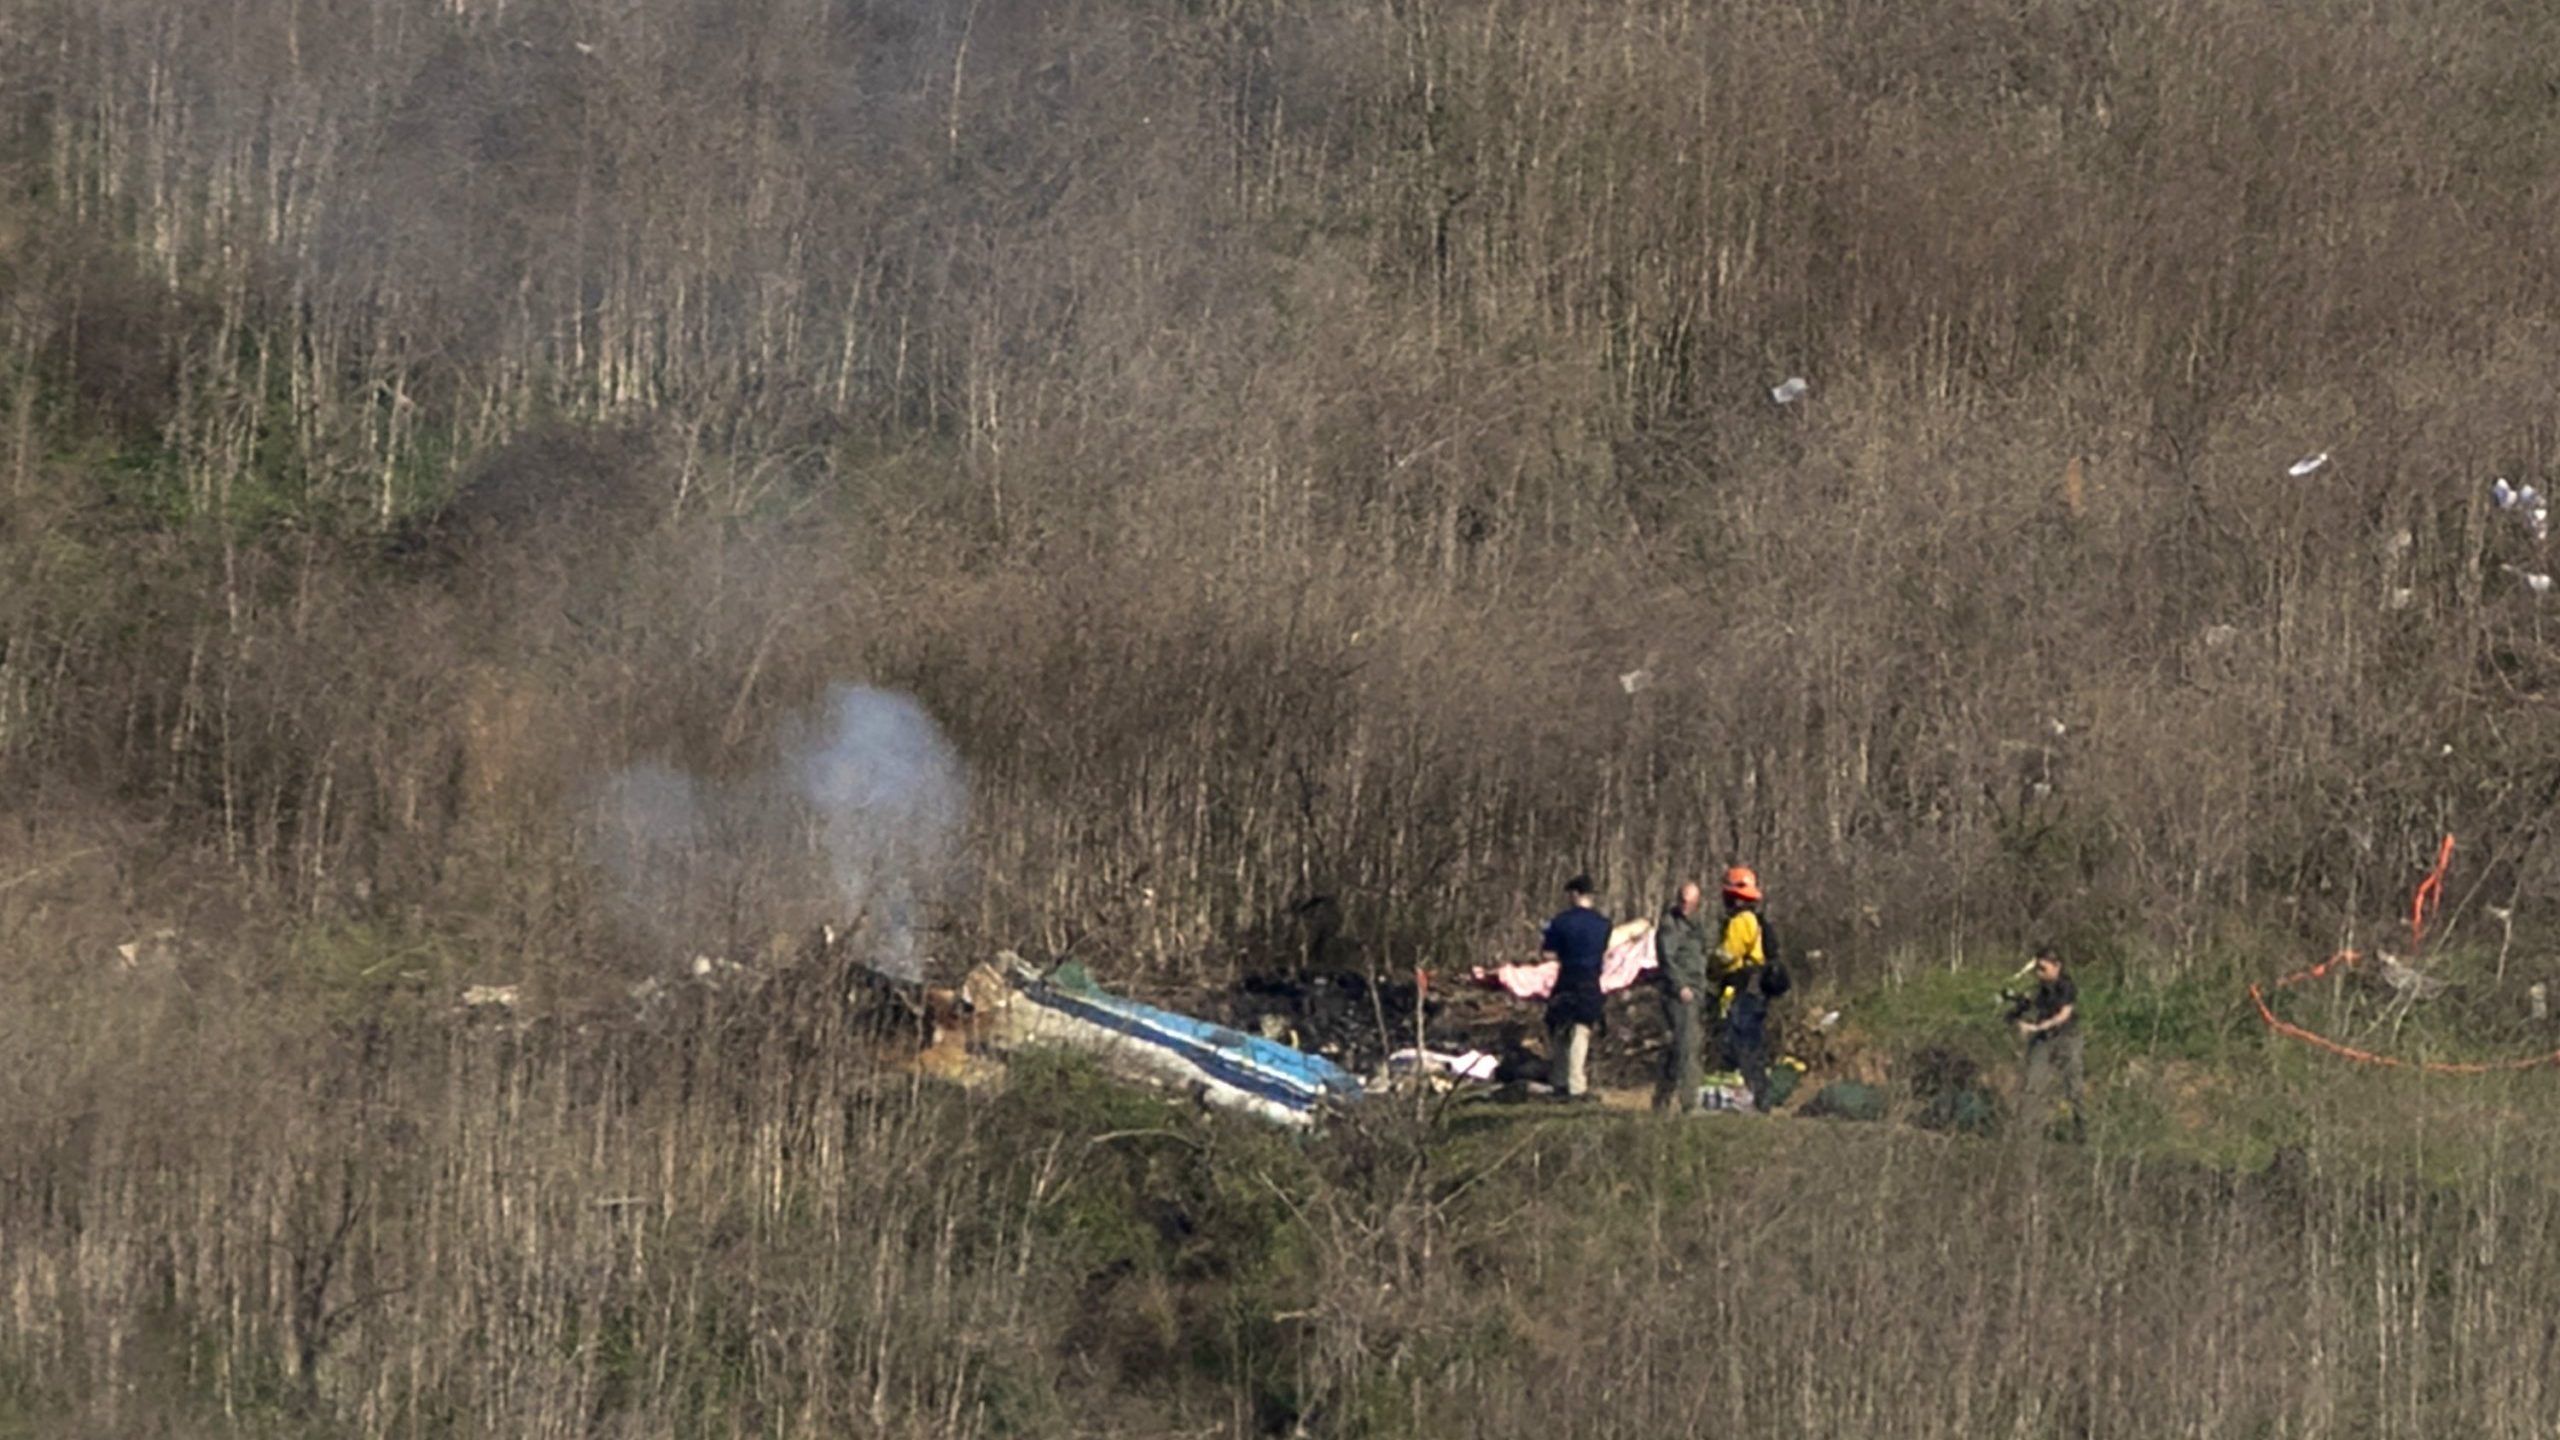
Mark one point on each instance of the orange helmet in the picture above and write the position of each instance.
(1741, 884)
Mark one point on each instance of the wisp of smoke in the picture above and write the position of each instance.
(891, 798)
(651, 843)
(888, 796)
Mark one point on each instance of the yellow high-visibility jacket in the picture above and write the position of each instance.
(1739, 950)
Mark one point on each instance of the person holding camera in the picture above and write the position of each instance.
(2050, 1019)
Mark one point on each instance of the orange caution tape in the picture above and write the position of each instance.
(2346, 959)
(2429, 896)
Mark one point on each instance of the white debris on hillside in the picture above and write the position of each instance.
(2528, 505)
(155, 953)
(2409, 982)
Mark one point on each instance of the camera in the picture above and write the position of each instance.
(2014, 1004)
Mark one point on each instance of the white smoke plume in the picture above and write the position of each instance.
(861, 824)
(891, 798)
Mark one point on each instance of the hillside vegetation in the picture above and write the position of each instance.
(1307, 457)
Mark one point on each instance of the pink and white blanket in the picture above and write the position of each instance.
(1630, 954)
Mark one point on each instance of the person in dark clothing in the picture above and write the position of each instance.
(2052, 1027)
(1680, 954)
(1746, 1028)
(1576, 940)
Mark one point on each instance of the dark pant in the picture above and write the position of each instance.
(1752, 1059)
(1678, 1089)
(2053, 1079)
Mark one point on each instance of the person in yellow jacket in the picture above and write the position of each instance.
(1742, 946)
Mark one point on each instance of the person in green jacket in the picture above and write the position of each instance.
(1680, 956)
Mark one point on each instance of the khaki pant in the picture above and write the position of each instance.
(1569, 1059)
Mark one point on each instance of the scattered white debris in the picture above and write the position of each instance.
(1790, 390)
(157, 950)
(481, 997)
(2219, 637)
(2447, 750)
(1472, 1065)
(1635, 680)
(2534, 580)
(2528, 503)
(2402, 597)
(2410, 982)
(2057, 728)
(2401, 541)
(1829, 1019)
(2308, 464)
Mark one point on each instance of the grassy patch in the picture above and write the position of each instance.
(367, 967)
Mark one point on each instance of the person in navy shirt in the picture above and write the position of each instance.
(1575, 940)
